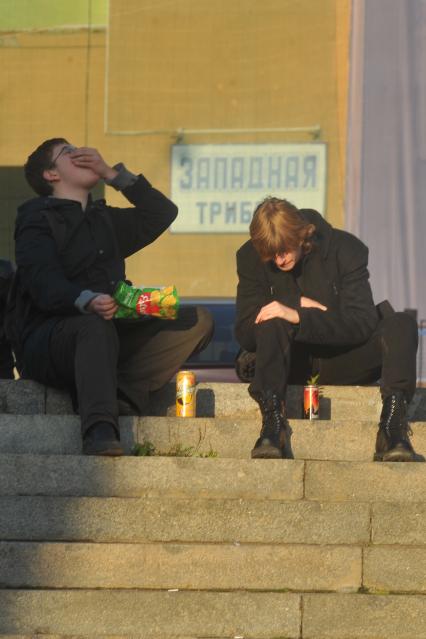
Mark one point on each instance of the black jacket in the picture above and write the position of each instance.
(62, 251)
(6, 358)
(334, 273)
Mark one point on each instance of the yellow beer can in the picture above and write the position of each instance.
(185, 394)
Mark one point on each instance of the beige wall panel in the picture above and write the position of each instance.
(216, 64)
(343, 38)
(42, 88)
(182, 63)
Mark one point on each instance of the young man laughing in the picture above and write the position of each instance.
(70, 254)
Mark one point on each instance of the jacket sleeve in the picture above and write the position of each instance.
(251, 296)
(354, 318)
(40, 270)
(139, 225)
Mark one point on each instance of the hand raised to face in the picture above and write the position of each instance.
(89, 158)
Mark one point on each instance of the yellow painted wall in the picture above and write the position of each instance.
(190, 64)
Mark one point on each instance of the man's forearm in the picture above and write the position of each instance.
(335, 327)
(121, 177)
(84, 299)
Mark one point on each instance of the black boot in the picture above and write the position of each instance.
(102, 439)
(271, 443)
(393, 442)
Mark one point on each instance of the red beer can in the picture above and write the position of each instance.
(311, 402)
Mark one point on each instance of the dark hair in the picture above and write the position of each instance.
(39, 161)
(278, 227)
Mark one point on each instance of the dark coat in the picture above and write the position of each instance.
(69, 250)
(334, 273)
(6, 357)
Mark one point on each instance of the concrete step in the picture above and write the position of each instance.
(335, 616)
(171, 519)
(340, 440)
(362, 481)
(54, 434)
(217, 566)
(207, 615)
(215, 400)
(149, 614)
(158, 566)
(229, 521)
(185, 477)
(190, 477)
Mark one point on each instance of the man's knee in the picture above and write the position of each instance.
(95, 327)
(205, 322)
(275, 328)
(201, 332)
(400, 324)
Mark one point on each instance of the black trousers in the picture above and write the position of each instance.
(389, 355)
(103, 360)
(7, 362)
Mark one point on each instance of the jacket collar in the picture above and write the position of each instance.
(323, 232)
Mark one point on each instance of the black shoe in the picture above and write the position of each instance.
(102, 439)
(271, 443)
(393, 441)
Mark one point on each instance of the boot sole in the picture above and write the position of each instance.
(396, 456)
(266, 452)
(104, 451)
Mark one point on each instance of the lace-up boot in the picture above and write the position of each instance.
(271, 443)
(393, 442)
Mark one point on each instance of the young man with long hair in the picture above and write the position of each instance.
(305, 306)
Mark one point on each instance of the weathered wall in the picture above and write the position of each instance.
(190, 64)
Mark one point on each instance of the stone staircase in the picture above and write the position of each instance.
(197, 540)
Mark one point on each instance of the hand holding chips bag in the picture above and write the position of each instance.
(156, 302)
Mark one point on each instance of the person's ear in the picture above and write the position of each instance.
(51, 175)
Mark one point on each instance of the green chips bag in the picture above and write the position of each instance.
(157, 302)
